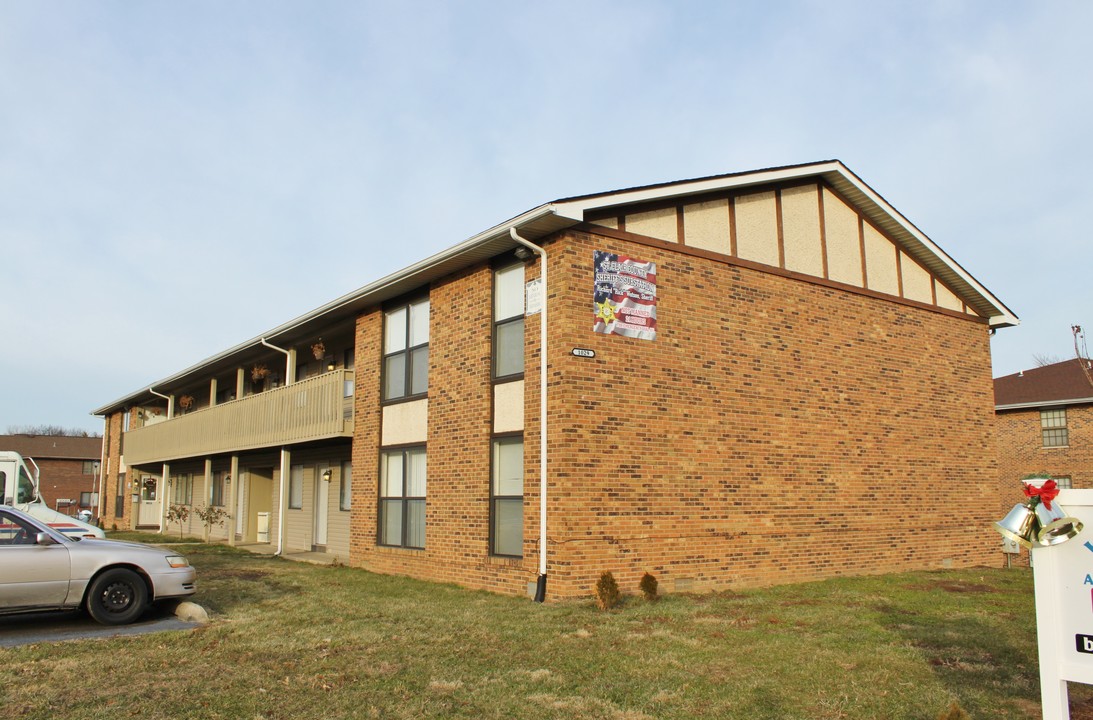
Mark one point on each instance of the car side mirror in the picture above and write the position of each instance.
(44, 538)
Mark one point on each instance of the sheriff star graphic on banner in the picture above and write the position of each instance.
(625, 300)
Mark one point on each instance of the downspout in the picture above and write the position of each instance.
(170, 402)
(289, 377)
(166, 482)
(540, 584)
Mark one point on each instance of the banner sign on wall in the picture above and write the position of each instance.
(625, 300)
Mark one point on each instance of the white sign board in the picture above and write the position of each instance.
(533, 290)
(1063, 576)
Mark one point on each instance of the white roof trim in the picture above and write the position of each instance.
(1045, 404)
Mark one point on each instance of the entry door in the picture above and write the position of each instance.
(259, 500)
(149, 512)
(322, 506)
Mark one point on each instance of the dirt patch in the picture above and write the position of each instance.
(237, 574)
(955, 587)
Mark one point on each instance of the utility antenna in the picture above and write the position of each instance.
(1082, 352)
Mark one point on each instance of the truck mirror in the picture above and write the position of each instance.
(44, 538)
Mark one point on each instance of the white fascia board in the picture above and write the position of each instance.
(576, 209)
(497, 232)
(1005, 317)
(1045, 404)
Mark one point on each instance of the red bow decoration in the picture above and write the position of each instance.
(1046, 493)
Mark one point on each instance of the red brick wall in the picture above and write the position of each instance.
(775, 431)
(64, 479)
(1021, 452)
(458, 446)
(1021, 449)
(113, 439)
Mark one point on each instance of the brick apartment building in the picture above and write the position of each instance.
(1045, 424)
(68, 468)
(752, 378)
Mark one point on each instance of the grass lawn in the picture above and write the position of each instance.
(291, 640)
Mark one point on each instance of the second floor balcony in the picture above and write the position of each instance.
(318, 408)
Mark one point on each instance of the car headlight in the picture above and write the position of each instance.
(177, 561)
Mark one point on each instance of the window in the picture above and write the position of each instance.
(296, 487)
(217, 496)
(182, 489)
(1053, 428)
(406, 351)
(345, 494)
(402, 498)
(90, 467)
(89, 499)
(507, 497)
(1064, 482)
(508, 321)
(119, 499)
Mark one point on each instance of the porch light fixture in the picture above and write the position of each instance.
(327, 475)
(227, 479)
(330, 366)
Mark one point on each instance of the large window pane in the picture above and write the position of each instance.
(419, 372)
(395, 376)
(419, 323)
(509, 351)
(391, 522)
(508, 527)
(394, 331)
(508, 467)
(415, 523)
(508, 298)
(415, 475)
(346, 495)
(296, 487)
(391, 482)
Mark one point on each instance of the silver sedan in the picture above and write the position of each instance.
(42, 569)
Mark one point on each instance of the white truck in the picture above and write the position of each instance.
(21, 492)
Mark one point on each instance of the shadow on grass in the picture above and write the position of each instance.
(968, 649)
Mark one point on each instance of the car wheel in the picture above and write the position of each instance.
(117, 597)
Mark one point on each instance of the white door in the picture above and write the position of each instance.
(322, 503)
(149, 512)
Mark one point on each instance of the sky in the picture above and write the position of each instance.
(178, 177)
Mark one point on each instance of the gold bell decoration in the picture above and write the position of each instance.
(1040, 521)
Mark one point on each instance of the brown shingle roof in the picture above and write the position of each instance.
(57, 447)
(1061, 383)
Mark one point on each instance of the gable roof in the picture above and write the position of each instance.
(551, 217)
(1061, 383)
(53, 447)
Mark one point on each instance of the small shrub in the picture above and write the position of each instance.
(954, 712)
(648, 586)
(178, 514)
(607, 591)
(211, 515)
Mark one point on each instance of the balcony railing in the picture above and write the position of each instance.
(313, 409)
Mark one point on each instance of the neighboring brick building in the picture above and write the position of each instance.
(1045, 424)
(752, 378)
(69, 468)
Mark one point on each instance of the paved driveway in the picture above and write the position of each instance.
(51, 627)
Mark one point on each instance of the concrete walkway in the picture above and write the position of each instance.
(315, 558)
